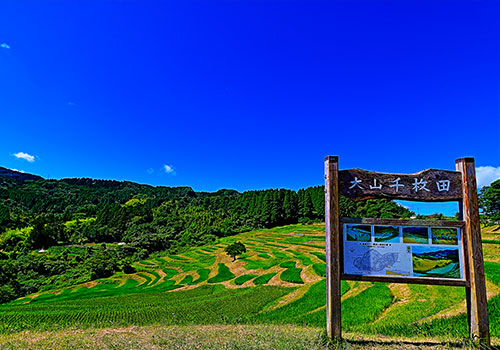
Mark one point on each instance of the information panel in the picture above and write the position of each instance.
(404, 251)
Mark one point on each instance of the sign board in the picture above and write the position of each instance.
(436, 252)
(393, 248)
(431, 185)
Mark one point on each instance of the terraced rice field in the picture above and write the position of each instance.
(280, 280)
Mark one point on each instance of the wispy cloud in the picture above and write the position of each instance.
(150, 171)
(486, 175)
(4, 46)
(169, 169)
(25, 156)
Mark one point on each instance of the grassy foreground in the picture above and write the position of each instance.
(279, 282)
(205, 337)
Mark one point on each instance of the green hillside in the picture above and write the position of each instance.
(280, 280)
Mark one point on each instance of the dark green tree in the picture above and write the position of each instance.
(489, 201)
(47, 230)
(290, 207)
(235, 249)
(305, 207)
(4, 216)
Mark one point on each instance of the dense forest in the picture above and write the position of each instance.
(489, 201)
(60, 232)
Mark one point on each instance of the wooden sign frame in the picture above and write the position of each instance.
(430, 185)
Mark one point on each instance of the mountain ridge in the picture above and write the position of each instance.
(18, 175)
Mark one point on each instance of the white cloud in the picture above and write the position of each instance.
(4, 46)
(486, 175)
(25, 156)
(19, 171)
(150, 171)
(402, 205)
(169, 169)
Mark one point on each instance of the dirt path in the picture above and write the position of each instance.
(290, 297)
(355, 291)
(491, 291)
(402, 294)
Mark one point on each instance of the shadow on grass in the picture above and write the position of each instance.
(348, 344)
(406, 344)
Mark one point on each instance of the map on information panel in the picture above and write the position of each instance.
(409, 251)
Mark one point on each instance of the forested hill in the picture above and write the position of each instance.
(19, 175)
(84, 210)
(74, 214)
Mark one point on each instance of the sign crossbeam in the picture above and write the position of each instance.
(437, 252)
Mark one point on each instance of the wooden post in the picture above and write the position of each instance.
(476, 296)
(466, 264)
(333, 318)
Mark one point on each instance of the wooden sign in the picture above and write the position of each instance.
(430, 185)
(405, 251)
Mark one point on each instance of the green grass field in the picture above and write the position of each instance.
(280, 281)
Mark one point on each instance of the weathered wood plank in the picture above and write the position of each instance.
(411, 280)
(333, 243)
(477, 300)
(431, 185)
(466, 264)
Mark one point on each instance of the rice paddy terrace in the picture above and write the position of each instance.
(280, 280)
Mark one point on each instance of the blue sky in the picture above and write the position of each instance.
(247, 94)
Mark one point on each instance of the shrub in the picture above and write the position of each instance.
(224, 274)
(263, 279)
(320, 269)
(244, 278)
(288, 264)
(292, 275)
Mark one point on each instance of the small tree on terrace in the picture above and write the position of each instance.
(235, 249)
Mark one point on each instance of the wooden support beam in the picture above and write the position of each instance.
(333, 294)
(476, 294)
